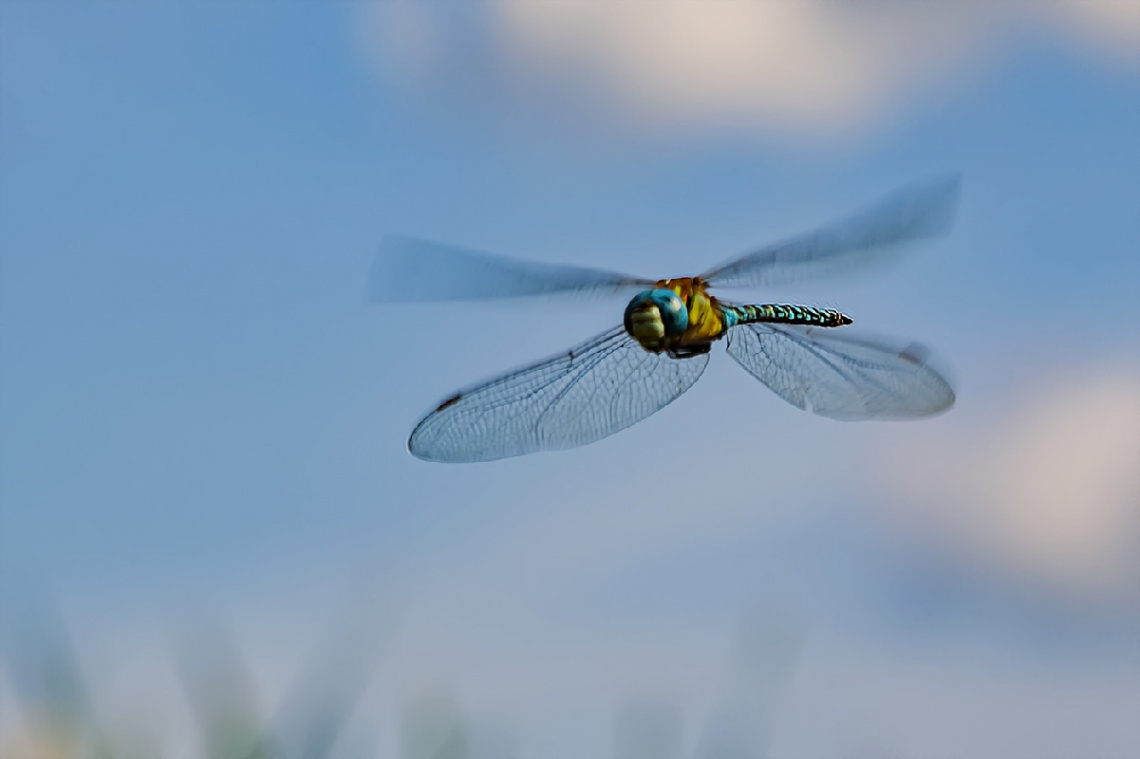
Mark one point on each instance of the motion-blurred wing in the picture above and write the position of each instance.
(580, 396)
(407, 270)
(839, 376)
(913, 213)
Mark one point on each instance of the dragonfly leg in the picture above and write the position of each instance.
(688, 351)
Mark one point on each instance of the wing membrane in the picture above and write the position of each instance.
(407, 270)
(840, 376)
(878, 232)
(580, 396)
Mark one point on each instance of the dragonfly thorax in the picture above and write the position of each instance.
(656, 318)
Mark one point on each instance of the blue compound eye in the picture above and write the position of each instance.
(674, 315)
(654, 315)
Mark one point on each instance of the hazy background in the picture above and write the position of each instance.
(204, 424)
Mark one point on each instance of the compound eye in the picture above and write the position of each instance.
(673, 312)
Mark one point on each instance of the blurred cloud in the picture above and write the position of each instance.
(648, 728)
(823, 67)
(791, 63)
(405, 36)
(761, 668)
(1112, 24)
(1047, 492)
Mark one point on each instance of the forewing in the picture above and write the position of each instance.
(408, 270)
(837, 375)
(580, 396)
(879, 232)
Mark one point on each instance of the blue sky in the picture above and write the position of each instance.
(197, 400)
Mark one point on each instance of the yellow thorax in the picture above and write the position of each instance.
(706, 322)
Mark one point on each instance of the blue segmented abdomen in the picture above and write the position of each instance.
(784, 314)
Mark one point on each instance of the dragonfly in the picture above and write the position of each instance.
(803, 353)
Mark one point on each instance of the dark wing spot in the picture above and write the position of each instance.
(449, 402)
(915, 354)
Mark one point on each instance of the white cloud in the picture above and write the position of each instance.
(1112, 24)
(405, 39)
(1050, 493)
(788, 64)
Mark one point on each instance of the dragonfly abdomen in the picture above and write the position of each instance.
(785, 314)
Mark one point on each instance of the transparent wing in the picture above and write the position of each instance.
(878, 232)
(837, 375)
(580, 396)
(408, 270)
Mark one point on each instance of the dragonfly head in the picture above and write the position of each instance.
(654, 316)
